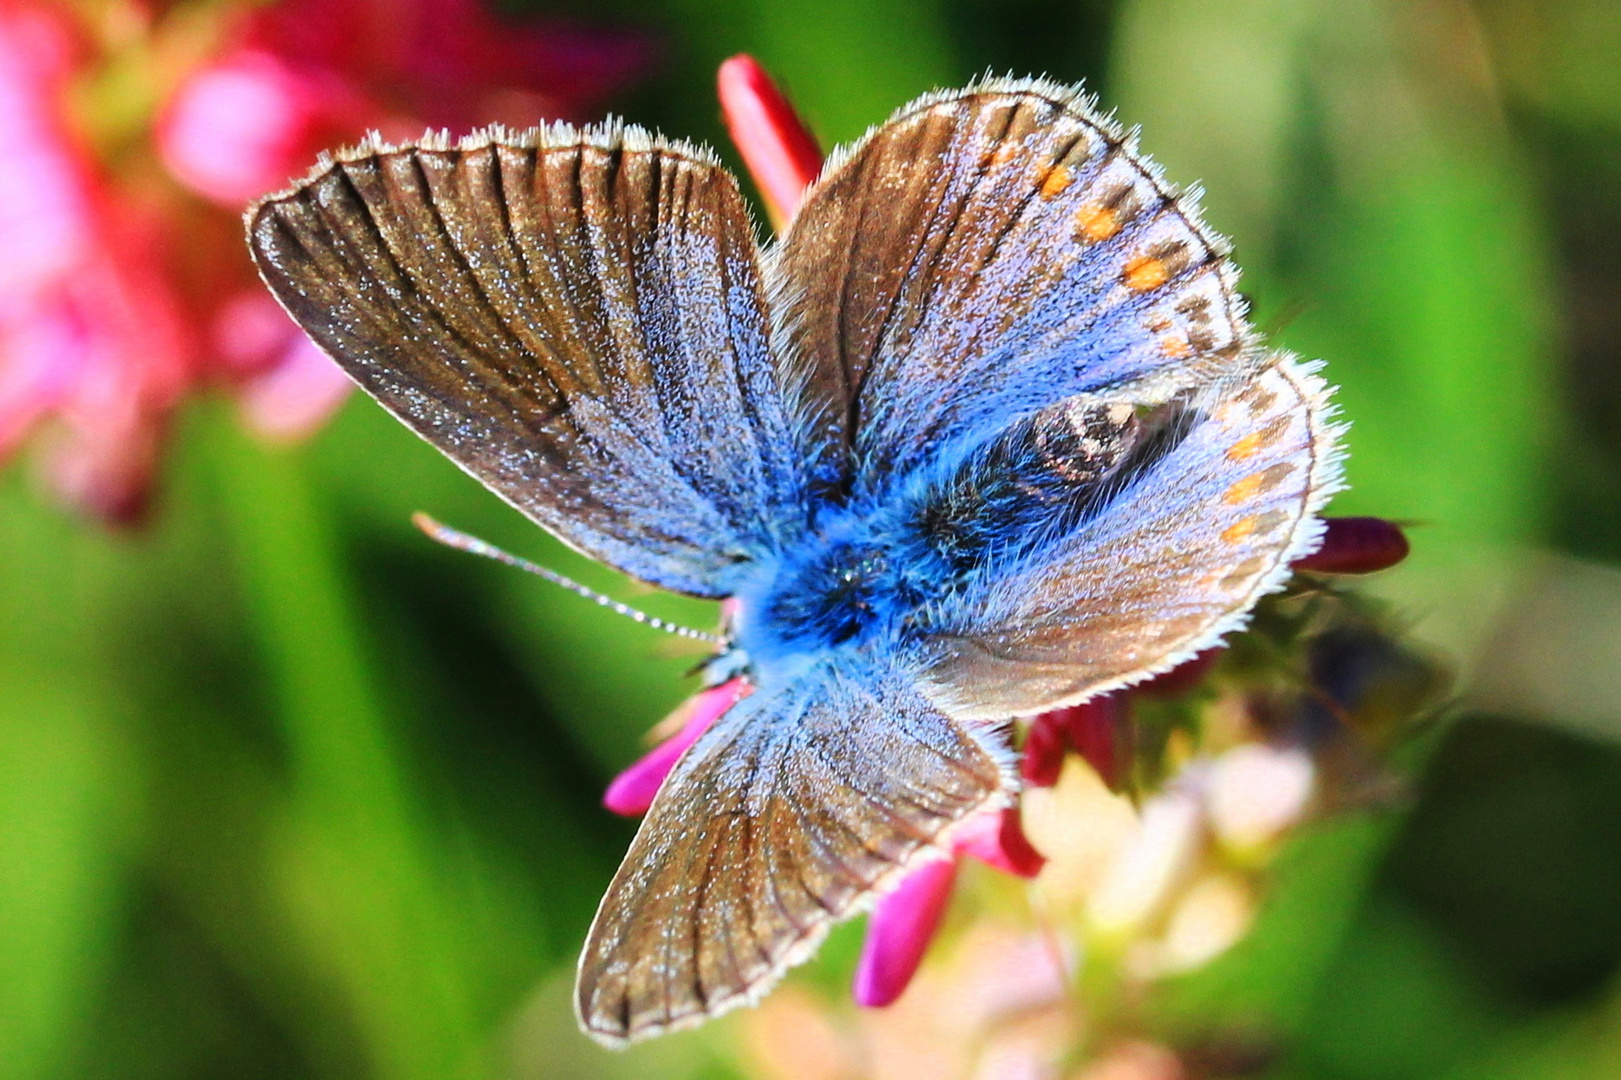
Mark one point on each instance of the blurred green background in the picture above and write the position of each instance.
(287, 791)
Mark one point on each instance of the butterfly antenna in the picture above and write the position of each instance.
(454, 538)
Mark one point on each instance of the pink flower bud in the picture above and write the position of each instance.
(781, 154)
(997, 839)
(1356, 545)
(899, 930)
(632, 791)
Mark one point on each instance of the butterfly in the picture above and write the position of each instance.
(983, 433)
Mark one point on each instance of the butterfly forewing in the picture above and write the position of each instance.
(785, 817)
(1176, 558)
(984, 254)
(575, 318)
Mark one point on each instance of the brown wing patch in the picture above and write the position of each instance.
(786, 817)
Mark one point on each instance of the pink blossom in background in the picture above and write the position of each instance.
(126, 285)
(90, 333)
(303, 75)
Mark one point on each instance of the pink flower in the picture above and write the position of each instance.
(632, 791)
(780, 152)
(90, 333)
(904, 921)
(246, 123)
(125, 288)
(300, 75)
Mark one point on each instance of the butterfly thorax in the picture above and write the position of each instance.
(873, 573)
(844, 588)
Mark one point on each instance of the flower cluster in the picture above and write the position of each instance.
(1289, 723)
(1228, 751)
(136, 133)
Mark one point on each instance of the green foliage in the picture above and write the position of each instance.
(287, 792)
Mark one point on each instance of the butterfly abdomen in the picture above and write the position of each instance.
(1042, 476)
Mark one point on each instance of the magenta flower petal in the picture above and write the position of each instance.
(781, 154)
(1357, 545)
(997, 839)
(899, 931)
(632, 791)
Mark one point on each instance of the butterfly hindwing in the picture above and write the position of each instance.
(983, 254)
(788, 815)
(1161, 568)
(575, 318)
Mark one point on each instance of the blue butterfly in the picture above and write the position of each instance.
(983, 434)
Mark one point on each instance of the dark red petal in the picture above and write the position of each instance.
(1357, 545)
(1045, 743)
(1095, 730)
(899, 931)
(780, 152)
(1182, 678)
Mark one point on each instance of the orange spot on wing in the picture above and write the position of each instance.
(1245, 490)
(1096, 223)
(1145, 272)
(1244, 447)
(1239, 529)
(1057, 181)
(1002, 154)
(1175, 347)
(1257, 440)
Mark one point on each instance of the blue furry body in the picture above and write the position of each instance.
(878, 571)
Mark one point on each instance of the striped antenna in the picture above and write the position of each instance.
(461, 541)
